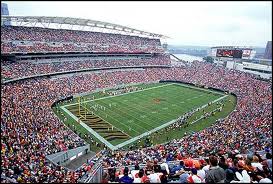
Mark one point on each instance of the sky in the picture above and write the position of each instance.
(186, 23)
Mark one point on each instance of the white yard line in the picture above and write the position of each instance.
(144, 112)
(112, 124)
(120, 123)
(154, 121)
(129, 114)
(122, 94)
(160, 127)
(146, 133)
(135, 138)
(93, 132)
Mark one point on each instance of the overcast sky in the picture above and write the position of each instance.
(187, 23)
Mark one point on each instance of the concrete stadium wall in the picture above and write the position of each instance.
(65, 157)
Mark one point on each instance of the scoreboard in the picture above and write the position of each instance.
(232, 52)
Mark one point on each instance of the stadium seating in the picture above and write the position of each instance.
(40, 40)
(26, 68)
(30, 130)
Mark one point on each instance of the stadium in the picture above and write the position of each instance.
(90, 101)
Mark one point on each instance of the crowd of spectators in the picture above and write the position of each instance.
(26, 68)
(247, 129)
(36, 39)
(30, 130)
(217, 168)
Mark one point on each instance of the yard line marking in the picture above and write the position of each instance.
(151, 131)
(122, 94)
(144, 96)
(112, 124)
(89, 129)
(141, 107)
(118, 121)
(138, 109)
(144, 107)
(129, 115)
(154, 121)
(158, 128)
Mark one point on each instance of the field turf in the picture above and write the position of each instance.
(138, 112)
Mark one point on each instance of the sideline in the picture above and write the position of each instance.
(160, 127)
(112, 147)
(89, 129)
(121, 94)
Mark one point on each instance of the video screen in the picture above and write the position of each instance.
(224, 53)
(231, 53)
(237, 53)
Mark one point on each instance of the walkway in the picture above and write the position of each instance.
(78, 162)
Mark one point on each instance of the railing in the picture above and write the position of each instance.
(79, 44)
(95, 176)
(83, 70)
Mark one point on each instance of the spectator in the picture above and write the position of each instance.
(126, 178)
(139, 177)
(269, 161)
(105, 178)
(184, 177)
(194, 178)
(215, 174)
(178, 167)
(30, 130)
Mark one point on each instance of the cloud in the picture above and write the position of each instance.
(200, 23)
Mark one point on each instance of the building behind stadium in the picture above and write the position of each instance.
(243, 59)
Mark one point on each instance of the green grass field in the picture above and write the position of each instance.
(138, 112)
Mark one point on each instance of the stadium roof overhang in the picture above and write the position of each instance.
(82, 24)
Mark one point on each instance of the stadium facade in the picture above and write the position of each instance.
(268, 50)
(4, 11)
(242, 59)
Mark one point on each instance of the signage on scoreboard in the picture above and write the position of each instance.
(246, 54)
(233, 53)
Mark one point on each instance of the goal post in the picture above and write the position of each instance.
(79, 108)
(79, 102)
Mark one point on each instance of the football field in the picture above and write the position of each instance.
(123, 117)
